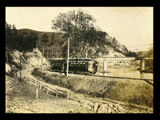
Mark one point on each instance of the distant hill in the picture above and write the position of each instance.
(56, 43)
(58, 37)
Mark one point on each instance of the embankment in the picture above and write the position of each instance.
(131, 91)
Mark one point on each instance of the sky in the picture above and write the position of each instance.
(131, 26)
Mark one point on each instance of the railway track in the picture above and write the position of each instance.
(123, 77)
(149, 81)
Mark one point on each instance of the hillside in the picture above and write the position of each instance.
(56, 43)
(58, 37)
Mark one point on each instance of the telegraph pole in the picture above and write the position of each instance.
(47, 53)
(52, 53)
(43, 51)
(20, 66)
(68, 57)
(42, 61)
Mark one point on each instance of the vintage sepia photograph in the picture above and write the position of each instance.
(79, 60)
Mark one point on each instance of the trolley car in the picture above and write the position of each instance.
(81, 65)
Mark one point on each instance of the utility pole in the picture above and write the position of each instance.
(42, 61)
(52, 53)
(68, 57)
(20, 67)
(43, 51)
(47, 54)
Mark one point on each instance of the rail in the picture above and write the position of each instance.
(149, 81)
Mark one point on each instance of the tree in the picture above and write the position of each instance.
(94, 38)
(79, 27)
(52, 39)
(150, 52)
(11, 36)
(8, 35)
(131, 54)
(15, 37)
(28, 41)
(74, 24)
(44, 38)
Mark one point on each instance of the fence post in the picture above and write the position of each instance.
(37, 93)
(20, 67)
(40, 87)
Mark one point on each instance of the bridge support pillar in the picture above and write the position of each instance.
(142, 68)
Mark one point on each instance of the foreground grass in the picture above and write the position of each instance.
(131, 91)
(21, 98)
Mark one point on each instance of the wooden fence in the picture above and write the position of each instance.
(49, 90)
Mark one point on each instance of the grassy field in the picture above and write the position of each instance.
(131, 91)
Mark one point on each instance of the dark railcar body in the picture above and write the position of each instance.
(76, 65)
